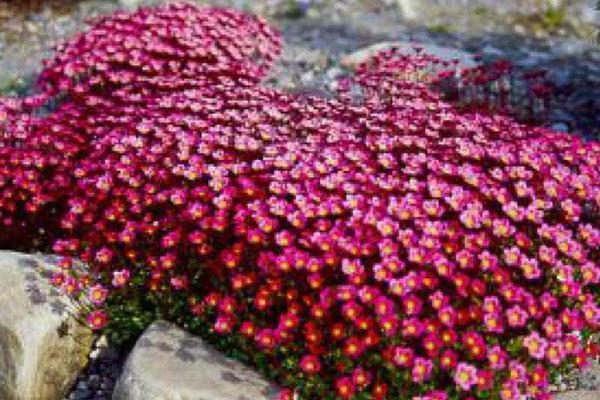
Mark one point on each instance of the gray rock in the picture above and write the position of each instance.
(492, 51)
(130, 4)
(307, 78)
(533, 59)
(589, 378)
(81, 394)
(169, 364)
(561, 78)
(304, 55)
(352, 60)
(560, 127)
(579, 395)
(98, 380)
(42, 347)
(571, 47)
(409, 8)
(520, 29)
(562, 116)
(334, 73)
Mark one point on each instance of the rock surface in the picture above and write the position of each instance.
(130, 4)
(42, 347)
(352, 60)
(169, 364)
(98, 380)
(579, 395)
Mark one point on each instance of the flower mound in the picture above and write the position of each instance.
(378, 245)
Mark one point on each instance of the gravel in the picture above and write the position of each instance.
(98, 380)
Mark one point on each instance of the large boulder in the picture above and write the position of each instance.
(353, 60)
(169, 364)
(42, 347)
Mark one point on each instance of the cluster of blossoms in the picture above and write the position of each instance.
(377, 246)
(527, 96)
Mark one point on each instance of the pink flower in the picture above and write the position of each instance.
(120, 278)
(517, 371)
(412, 327)
(516, 316)
(412, 305)
(285, 394)
(383, 306)
(104, 255)
(465, 376)
(530, 268)
(389, 324)
(447, 316)
(502, 228)
(555, 352)
(491, 305)
(591, 313)
(224, 324)
(493, 323)
(421, 370)
(510, 391)
(552, 327)
(497, 357)
(98, 294)
(536, 345)
(403, 357)
(97, 319)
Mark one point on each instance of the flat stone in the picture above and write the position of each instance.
(42, 347)
(168, 363)
(352, 60)
(579, 395)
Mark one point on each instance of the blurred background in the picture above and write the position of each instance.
(557, 36)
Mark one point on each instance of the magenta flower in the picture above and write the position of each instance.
(421, 370)
(97, 319)
(465, 376)
(536, 345)
(98, 294)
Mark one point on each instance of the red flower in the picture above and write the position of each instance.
(310, 364)
(344, 387)
(97, 319)
(353, 347)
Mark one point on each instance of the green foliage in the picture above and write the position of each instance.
(442, 29)
(553, 18)
(12, 86)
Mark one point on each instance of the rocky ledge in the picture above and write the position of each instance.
(170, 364)
(42, 346)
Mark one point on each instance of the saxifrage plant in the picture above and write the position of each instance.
(380, 244)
